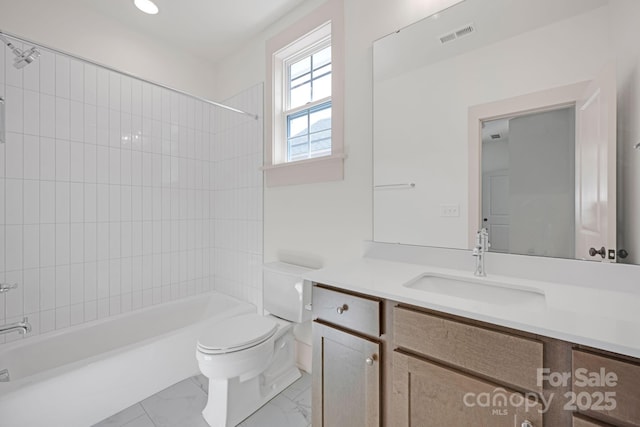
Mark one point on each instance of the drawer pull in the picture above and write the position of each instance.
(369, 360)
(342, 308)
(526, 423)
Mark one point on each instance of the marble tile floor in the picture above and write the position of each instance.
(181, 404)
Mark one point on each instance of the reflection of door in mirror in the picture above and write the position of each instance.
(596, 171)
(528, 183)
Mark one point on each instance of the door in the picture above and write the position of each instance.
(596, 167)
(495, 208)
(426, 394)
(346, 379)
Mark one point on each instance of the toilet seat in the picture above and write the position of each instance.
(236, 334)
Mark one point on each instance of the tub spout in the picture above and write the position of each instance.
(22, 327)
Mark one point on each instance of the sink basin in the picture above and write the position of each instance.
(480, 290)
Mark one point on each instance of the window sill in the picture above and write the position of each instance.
(321, 169)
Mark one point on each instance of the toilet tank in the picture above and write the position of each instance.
(285, 292)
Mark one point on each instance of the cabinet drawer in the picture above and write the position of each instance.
(587, 422)
(626, 389)
(506, 358)
(348, 311)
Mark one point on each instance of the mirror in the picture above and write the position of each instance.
(521, 116)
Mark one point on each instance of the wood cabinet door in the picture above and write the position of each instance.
(346, 379)
(429, 395)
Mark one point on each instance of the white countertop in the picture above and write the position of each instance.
(600, 318)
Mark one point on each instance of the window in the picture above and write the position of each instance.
(304, 125)
(308, 104)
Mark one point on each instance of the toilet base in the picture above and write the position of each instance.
(231, 400)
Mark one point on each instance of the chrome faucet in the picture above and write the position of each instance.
(22, 327)
(482, 246)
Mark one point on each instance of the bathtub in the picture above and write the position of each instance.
(83, 374)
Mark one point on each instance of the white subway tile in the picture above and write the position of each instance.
(14, 301)
(47, 321)
(103, 279)
(114, 91)
(14, 194)
(125, 94)
(90, 202)
(76, 314)
(89, 162)
(62, 202)
(114, 165)
(102, 164)
(125, 167)
(47, 72)
(114, 203)
(125, 203)
(62, 244)
(31, 116)
(14, 109)
(114, 277)
(76, 121)
(90, 281)
(125, 275)
(63, 317)
(63, 158)
(76, 285)
(103, 87)
(90, 84)
(136, 203)
(136, 168)
(103, 202)
(47, 159)
(62, 118)
(89, 244)
(76, 243)
(31, 157)
(76, 75)
(90, 311)
(47, 245)
(62, 76)
(47, 288)
(125, 239)
(63, 287)
(31, 246)
(47, 116)
(31, 286)
(115, 249)
(90, 124)
(76, 202)
(76, 161)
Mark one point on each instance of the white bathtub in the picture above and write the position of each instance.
(84, 374)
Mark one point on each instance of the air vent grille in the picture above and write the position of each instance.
(456, 34)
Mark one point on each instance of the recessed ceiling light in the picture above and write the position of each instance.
(147, 6)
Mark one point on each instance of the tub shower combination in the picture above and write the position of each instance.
(83, 374)
(79, 375)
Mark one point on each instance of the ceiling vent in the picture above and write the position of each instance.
(459, 33)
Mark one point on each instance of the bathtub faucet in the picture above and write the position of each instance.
(22, 327)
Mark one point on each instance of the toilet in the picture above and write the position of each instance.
(250, 358)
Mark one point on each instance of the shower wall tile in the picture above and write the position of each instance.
(117, 194)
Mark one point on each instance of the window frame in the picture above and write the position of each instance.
(323, 25)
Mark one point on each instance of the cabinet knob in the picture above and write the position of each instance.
(369, 360)
(526, 423)
(342, 308)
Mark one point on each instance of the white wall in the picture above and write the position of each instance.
(326, 223)
(84, 32)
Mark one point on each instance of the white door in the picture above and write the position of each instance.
(596, 168)
(495, 208)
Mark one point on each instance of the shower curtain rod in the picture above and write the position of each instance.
(217, 104)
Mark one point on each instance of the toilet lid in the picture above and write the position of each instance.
(237, 333)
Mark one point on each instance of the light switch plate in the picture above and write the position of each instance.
(449, 210)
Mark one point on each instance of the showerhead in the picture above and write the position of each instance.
(23, 58)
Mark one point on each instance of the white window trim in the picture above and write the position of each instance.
(278, 172)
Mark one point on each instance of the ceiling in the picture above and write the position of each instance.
(210, 29)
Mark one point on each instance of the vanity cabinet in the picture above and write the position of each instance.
(450, 373)
(605, 387)
(347, 355)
